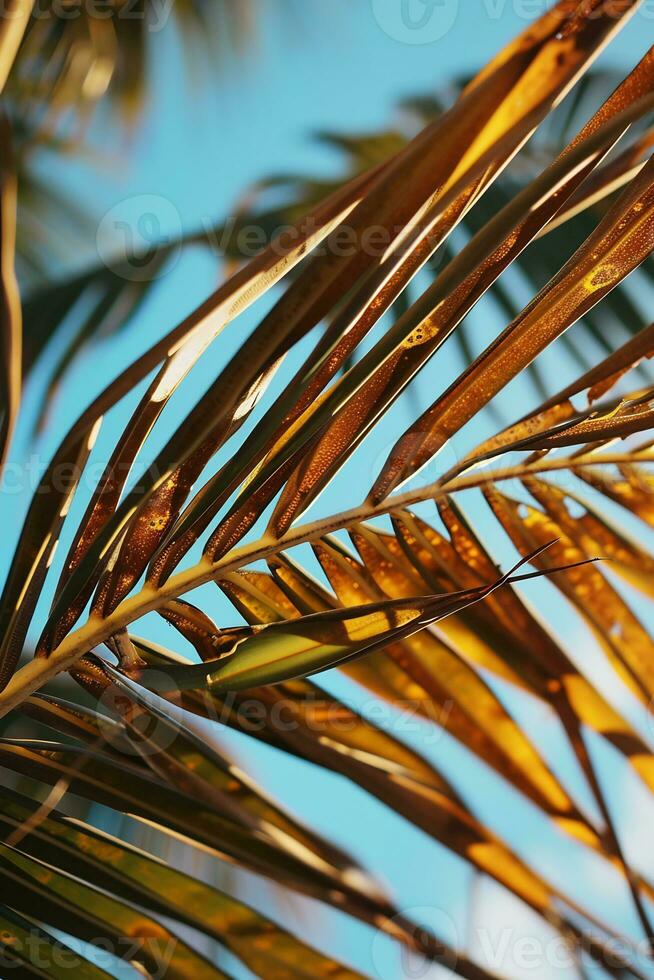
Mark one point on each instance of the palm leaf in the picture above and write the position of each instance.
(417, 610)
(137, 877)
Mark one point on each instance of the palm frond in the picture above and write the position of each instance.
(402, 594)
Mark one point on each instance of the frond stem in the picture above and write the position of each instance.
(96, 629)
